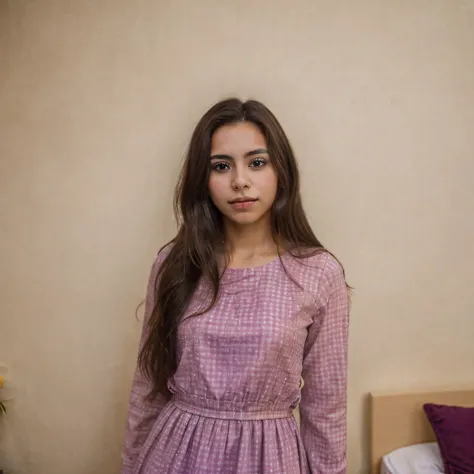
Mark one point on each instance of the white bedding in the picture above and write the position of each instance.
(417, 459)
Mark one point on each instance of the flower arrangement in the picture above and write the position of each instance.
(6, 390)
(2, 405)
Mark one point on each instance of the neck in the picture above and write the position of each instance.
(250, 241)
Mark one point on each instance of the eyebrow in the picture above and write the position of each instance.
(258, 151)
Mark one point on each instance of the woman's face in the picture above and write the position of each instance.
(242, 183)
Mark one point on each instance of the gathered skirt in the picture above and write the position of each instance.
(190, 439)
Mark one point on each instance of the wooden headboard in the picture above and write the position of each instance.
(398, 420)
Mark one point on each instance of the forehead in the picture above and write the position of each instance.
(237, 139)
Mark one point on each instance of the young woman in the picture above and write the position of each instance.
(243, 305)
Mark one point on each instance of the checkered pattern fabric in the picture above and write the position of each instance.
(238, 377)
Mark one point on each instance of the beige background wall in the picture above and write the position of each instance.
(97, 102)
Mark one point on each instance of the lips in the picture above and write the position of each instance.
(241, 200)
(243, 204)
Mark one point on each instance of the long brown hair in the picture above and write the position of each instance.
(194, 251)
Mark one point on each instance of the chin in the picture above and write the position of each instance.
(245, 219)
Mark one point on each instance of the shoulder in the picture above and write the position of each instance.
(164, 252)
(330, 269)
(160, 257)
(319, 272)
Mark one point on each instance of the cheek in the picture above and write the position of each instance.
(269, 184)
(217, 187)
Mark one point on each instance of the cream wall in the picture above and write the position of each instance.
(97, 102)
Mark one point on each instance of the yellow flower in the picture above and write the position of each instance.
(2, 381)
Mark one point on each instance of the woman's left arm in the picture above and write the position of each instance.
(323, 403)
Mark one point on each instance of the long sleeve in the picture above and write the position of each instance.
(323, 396)
(142, 413)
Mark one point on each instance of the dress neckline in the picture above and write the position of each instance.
(255, 268)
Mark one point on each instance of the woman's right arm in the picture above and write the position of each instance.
(142, 413)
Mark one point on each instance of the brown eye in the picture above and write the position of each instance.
(258, 163)
(220, 167)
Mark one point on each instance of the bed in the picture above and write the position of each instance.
(399, 426)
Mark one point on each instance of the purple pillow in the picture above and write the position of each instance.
(454, 430)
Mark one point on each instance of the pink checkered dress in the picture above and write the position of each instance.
(238, 378)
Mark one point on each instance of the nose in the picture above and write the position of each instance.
(240, 178)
